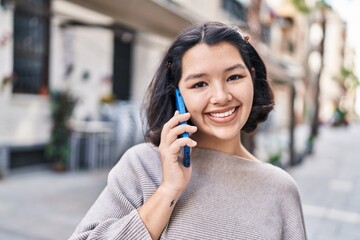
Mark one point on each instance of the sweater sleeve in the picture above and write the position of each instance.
(293, 219)
(114, 214)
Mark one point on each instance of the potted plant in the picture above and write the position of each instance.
(62, 104)
(6, 85)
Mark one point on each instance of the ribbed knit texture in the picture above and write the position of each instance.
(228, 198)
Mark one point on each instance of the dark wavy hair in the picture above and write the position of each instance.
(160, 99)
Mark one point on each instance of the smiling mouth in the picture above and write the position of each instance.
(223, 114)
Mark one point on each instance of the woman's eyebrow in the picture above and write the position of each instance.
(195, 75)
(238, 65)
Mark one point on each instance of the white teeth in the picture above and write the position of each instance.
(224, 114)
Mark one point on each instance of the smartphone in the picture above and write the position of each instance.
(180, 106)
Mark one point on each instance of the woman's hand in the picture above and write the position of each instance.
(175, 176)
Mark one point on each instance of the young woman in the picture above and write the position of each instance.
(226, 193)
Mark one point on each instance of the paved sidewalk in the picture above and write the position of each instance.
(42, 205)
(329, 182)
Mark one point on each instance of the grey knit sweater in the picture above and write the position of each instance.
(227, 198)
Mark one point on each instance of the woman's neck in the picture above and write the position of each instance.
(232, 146)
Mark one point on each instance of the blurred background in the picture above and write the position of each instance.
(73, 75)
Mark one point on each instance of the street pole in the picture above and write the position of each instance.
(317, 76)
(292, 124)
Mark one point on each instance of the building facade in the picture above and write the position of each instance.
(103, 49)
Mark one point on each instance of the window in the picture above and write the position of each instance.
(123, 45)
(31, 46)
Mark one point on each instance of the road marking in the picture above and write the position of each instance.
(331, 213)
(341, 185)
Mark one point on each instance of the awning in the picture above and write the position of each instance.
(145, 15)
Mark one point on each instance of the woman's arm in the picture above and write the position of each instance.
(157, 210)
(293, 218)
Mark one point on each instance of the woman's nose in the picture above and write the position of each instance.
(220, 95)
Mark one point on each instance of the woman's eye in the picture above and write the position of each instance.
(199, 85)
(234, 77)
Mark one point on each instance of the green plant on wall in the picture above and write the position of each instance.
(301, 6)
(349, 78)
(62, 105)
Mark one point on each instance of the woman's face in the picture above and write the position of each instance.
(218, 91)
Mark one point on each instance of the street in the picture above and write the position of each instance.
(329, 183)
(43, 205)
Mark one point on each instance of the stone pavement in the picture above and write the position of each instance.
(42, 205)
(329, 183)
(37, 204)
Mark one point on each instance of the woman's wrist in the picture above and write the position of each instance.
(169, 193)
(156, 211)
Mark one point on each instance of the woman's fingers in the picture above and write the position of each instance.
(174, 133)
(174, 121)
(182, 142)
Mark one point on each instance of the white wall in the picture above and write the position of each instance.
(88, 49)
(92, 49)
(204, 9)
(148, 52)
